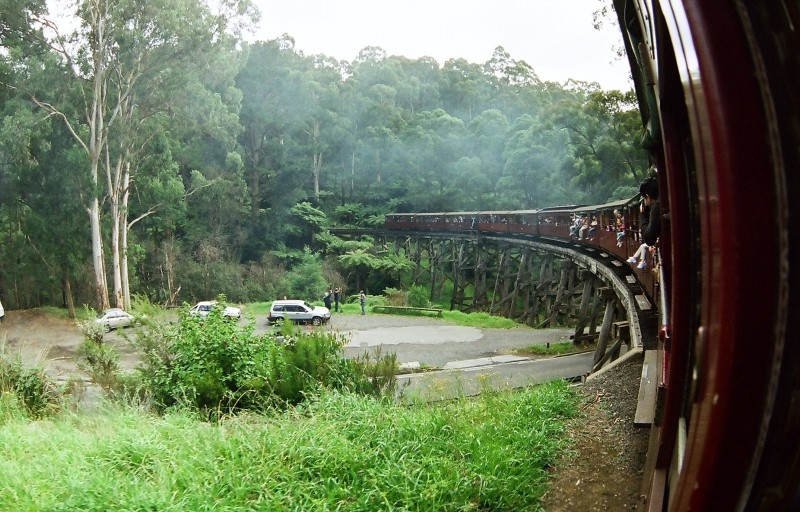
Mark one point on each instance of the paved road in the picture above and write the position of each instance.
(433, 342)
(470, 359)
(474, 376)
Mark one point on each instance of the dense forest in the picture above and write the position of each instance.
(148, 151)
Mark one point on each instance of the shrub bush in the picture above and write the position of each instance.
(395, 297)
(417, 297)
(100, 361)
(97, 358)
(216, 366)
(26, 390)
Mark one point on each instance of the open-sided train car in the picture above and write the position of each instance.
(719, 93)
(601, 228)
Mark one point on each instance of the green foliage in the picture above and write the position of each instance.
(417, 297)
(143, 307)
(379, 371)
(25, 391)
(215, 366)
(315, 145)
(92, 330)
(306, 281)
(338, 451)
(484, 320)
(551, 349)
(100, 361)
(395, 297)
(313, 217)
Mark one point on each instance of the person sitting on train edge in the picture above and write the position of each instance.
(649, 220)
(593, 227)
(620, 227)
(584, 227)
(576, 224)
(650, 211)
(641, 252)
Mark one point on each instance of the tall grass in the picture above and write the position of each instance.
(339, 451)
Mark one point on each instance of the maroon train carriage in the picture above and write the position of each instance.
(461, 221)
(719, 93)
(555, 221)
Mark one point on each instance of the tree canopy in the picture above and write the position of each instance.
(153, 149)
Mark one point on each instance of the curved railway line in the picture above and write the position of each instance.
(719, 95)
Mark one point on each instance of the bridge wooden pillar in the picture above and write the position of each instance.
(481, 258)
(585, 313)
(502, 278)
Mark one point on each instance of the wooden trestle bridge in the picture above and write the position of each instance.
(537, 281)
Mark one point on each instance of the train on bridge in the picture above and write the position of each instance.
(613, 227)
(718, 83)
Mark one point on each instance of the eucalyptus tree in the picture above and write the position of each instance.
(418, 91)
(40, 251)
(129, 61)
(324, 125)
(378, 119)
(534, 156)
(270, 115)
(434, 141)
(604, 140)
(463, 89)
(487, 137)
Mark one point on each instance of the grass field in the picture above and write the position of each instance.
(337, 452)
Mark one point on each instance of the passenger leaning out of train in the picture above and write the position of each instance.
(593, 227)
(584, 228)
(619, 227)
(577, 221)
(650, 221)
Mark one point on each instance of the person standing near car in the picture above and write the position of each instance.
(363, 300)
(336, 299)
(327, 299)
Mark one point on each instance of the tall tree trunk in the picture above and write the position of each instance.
(101, 289)
(168, 272)
(352, 175)
(67, 287)
(118, 224)
(317, 157)
(97, 133)
(255, 193)
(126, 193)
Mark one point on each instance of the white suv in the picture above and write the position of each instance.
(203, 308)
(298, 311)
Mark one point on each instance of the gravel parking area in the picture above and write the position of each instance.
(42, 338)
(433, 341)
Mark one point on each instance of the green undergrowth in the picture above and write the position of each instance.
(553, 349)
(336, 451)
(483, 320)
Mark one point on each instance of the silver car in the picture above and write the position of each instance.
(203, 308)
(115, 318)
(298, 311)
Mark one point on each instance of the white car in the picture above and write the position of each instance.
(115, 318)
(298, 311)
(203, 308)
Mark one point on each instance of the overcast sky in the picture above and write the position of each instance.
(555, 37)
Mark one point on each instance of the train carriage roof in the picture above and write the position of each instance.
(606, 206)
(496, 212)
